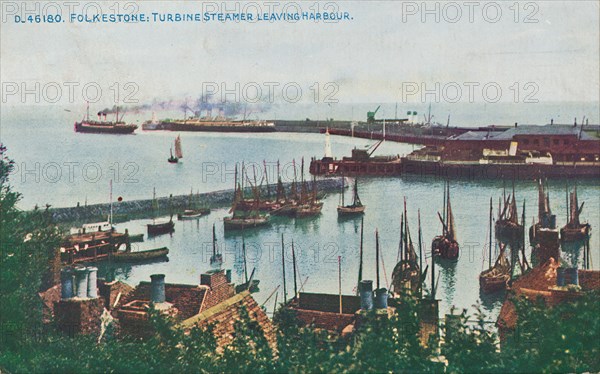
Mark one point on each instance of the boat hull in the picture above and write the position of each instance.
(150, 254)
(193, 215)
(574, 234)
(230, 223)
(104, 129)
(445, 248)
(508, 231)
(493, 283)
(350, 210)
(161, 228)
(176, 126)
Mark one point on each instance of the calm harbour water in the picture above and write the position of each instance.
(59, 167)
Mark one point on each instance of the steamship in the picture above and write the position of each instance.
(103, 126)
(217, 124)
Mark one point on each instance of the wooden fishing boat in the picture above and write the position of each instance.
(445, 246)
(238, 223)
(507, 227)
(217, 258)
(406, 276)
(250, 283)
(194, 210)
(156, 227)
(178, 153)
(574, 230)
(356, 208)
(496, 277)
(309, 205)
(544, 232)
(139, 256)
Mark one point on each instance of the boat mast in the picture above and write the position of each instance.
(420, 253)
(360, 263)
(342, 192)
(283, 269)
(244, 255)
(377, 256)
(110, 217)
(294, 269)
(490, 246)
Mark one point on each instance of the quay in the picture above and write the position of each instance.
(142, 208)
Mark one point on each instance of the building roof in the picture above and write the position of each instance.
(547, 130)
(222, 318)
(476, 135)
(537, 283)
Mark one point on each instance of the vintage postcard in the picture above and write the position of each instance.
(300, 186)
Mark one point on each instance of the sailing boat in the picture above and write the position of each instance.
(496, 277)
(250, 283)
(244, 218)
(574, 230)
(193, 210)
(217, 258)
(157, 228)
(309, 205)
(406, 277)
(544, 232)
(445, 245)
(356, 207)
(178, 153)
(507, 225)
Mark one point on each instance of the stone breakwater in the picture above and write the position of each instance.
(126, 210)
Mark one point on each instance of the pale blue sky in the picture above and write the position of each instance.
(369, 57)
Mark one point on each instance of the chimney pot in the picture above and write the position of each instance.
(81, 279)
(366, 294)
(381, 298)
(157, 294)
(66, 283)
(92, 285)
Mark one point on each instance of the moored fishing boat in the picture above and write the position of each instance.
(496, 277)
(544, 232)
(160, 227)
(445, 246)
(193, 210)
(574, 230)
(139, 256)
(507, 227)
(406, 276)
(356, 207)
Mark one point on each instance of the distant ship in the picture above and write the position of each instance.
(103, 126)
(217, 124)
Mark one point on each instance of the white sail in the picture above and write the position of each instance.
(178, 152)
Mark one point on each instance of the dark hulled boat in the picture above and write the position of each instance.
(544, 231)
(356, 207)
(507, 227)
(103, 126)
(244, 218)
(406, 276)
(140, 256)
(496, 277)
(574, 230)
(445, 246)
(157, 227)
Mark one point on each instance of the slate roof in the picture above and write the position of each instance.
(548, 130)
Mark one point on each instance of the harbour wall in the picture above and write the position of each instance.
(127, 210)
